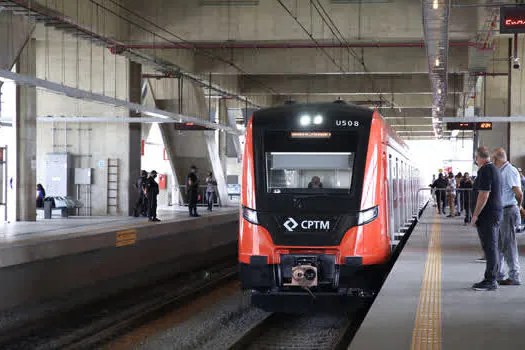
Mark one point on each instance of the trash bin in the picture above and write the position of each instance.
(48, 209)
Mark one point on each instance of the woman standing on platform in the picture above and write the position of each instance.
(211, 188)
(40, 195)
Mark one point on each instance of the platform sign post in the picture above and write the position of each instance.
(3, 179)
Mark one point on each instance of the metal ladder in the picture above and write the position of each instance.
(112, 186)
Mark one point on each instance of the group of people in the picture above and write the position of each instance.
(148, 190)
(192, 190)
(496, 205)
(454, 191)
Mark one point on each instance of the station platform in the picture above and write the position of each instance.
(50, 258)
(427, 301)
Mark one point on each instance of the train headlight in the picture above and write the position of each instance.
(305, 120)
(250, 215)
(318, 120)
(368, 215)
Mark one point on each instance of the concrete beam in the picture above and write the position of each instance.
(400, 101)
(380, 60)
(399, 20)
(15, 31)
(89, 96)
(349, 84)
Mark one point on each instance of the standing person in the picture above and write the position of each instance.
(511, 198)
(141, 205)
(211, 188)
(433, 190)
(459, 195)
(40, 196)
(466, 184)
(192, 188)
(439, 186)
(152, 191)
(487, 216)
(451, 195)
(522, 211)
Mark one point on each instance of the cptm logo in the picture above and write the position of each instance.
(291, 224)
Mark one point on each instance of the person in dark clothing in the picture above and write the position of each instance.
(487, 216)
(152, 191)
(192, 188)
(141, 205)
(466, 184)
(40, 195)
(315, 183)
(440, 186)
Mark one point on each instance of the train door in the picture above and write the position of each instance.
(403, 194)
(397, 204)
(391, 199)
(411, 190)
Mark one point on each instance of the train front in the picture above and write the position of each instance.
(307, 227)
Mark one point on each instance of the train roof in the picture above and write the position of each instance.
(360, 111)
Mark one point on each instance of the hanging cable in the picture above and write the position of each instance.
(182, 41)
(327, 19)
(317, 44)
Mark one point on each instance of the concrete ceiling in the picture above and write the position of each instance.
(374, 54)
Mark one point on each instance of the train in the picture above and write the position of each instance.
(327, 191)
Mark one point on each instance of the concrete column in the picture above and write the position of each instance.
(135, 133)
(223, 119)
(517, 130)
(25, 134)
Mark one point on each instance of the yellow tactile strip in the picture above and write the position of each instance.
(427, 327)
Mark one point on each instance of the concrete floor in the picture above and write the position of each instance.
(58, 226)
(463, 318)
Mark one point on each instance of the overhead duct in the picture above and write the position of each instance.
(436, 15)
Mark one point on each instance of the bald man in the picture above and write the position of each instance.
(511, 199)
(487, 215)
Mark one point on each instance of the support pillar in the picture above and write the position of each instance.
(25, 135)
(135, 132)
(223, 119)
(517, 130)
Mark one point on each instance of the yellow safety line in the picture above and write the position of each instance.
(427, 327)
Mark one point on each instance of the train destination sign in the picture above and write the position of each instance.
(512, 19)
(469, 126)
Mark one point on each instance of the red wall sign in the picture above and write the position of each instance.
(165, 154)
(512, 20)
(142, 147)
(162, 181)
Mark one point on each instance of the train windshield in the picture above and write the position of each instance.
(309, 172)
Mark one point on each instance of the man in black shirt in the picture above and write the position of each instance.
(152, 191)
(440, 185)
(487, 215)
(192, 188)
(141, 206)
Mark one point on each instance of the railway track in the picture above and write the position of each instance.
(287, 331)
(94, 325)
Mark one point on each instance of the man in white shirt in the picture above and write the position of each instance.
(511, 198)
